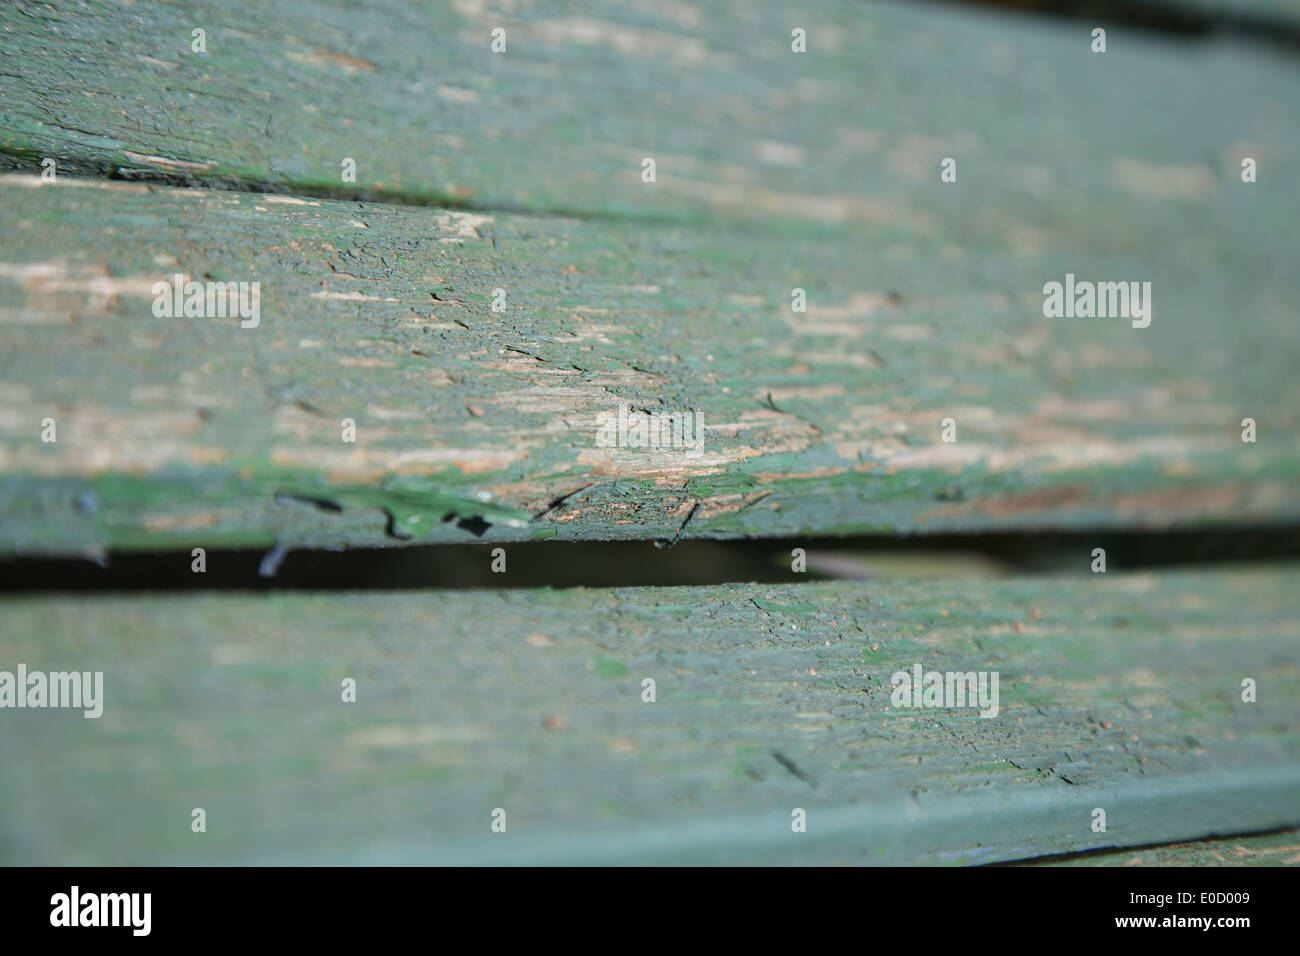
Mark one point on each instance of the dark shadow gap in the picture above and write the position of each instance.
(1106, 851)
(641, 563)
(22, 160)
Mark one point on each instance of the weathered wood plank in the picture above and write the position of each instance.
(924, 298)
(1048, 135)
(1119, 692)
(172, 431)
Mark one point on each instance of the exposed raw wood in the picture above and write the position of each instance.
(172, 431)
(1119, 692)
(774, 173)
(518, 177)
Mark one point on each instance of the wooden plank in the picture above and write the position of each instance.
(924, 299)
(185, 429)
(172, 431)
(1119, 691)
(1048, 135)
(1272, 849)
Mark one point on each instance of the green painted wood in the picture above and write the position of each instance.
(1049, 136)
(184, 431)
(1116, 691)
(180, 432)
(924, 298)
(1273, 849)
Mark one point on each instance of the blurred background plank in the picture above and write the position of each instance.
(1121, 692)
(1052, 140)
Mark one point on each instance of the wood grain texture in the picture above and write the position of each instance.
(774, 173)
(1120, 692)
(180, 431)
(1050, 137)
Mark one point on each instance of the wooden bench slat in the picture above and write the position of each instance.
(1048, 135)
(174, 430)
(1116, 691)
(924, 299)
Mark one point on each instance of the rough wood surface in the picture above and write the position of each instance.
(1048, 135)
(774, 172)
(1119, 692)
(180, 431)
